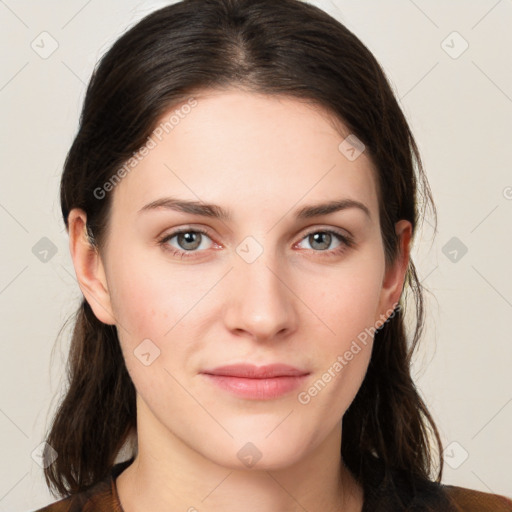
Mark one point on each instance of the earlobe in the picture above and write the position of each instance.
(395, 275)
(89, 268)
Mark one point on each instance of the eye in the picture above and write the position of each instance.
(321, 240)
(188, 240)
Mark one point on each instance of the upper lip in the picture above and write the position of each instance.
(256, 372)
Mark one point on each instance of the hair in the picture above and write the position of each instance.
(287, 48)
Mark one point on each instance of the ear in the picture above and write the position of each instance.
(89, 268)
(394, 277)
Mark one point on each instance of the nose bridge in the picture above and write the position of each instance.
(261, 302)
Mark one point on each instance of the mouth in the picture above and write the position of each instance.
(256, 372)
(257, 383)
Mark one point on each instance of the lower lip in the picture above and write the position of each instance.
(258, 389)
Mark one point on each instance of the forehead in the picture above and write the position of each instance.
(243, 149)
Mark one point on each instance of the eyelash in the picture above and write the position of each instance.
(347, 242)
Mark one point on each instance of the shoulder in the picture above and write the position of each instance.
(469, 500)
(98, 498)
(101, 497)
(391, 489)
(62, 505)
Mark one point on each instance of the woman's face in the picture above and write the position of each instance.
(262, 285)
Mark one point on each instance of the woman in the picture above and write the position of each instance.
(241, 199)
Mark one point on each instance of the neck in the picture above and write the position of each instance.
(169, 475)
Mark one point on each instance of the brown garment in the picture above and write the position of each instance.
(380, 495)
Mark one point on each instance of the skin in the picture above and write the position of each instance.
(262, 157)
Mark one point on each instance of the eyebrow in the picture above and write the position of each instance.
(217, 212)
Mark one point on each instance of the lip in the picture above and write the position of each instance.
(257, 382)
(257, 372)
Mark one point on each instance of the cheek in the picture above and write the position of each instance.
(160, 312)
(141, 305)
(345, 300)
(149, 298)
(343, 355)
(346, 308)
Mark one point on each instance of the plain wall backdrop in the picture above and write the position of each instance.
(450, 65)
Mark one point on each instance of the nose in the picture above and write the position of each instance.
(261, 303)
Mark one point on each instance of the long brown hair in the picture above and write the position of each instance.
(285, 47)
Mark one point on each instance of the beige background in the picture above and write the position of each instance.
(460, 109)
